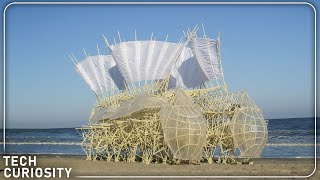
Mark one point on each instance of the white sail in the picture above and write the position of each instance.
(187, 72)
(145, 60)
(206, 52)
(101, 74)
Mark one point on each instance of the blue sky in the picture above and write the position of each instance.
(266, 50)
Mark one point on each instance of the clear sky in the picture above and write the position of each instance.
(266, 50)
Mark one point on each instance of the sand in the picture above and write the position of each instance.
(260, 167)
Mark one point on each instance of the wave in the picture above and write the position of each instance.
(79, 144)
(291, 144)
(42, 143)
(289, 130)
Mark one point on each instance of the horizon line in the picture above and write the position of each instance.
(84, 125)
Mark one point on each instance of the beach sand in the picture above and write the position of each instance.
(260, 167)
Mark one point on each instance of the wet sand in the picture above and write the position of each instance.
(260, 167)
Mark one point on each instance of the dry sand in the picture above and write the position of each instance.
(260, 167)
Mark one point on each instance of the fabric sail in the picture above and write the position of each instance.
(101, 74)
(135, 61)
(187, 72)
(206, 52)
(145, 60)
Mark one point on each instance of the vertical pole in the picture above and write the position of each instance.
(135, 35)
(119, 36)
(204, 32)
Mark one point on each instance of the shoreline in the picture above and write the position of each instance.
(84, 156)
(260, 167)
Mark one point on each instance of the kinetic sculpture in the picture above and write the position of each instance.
(167, 102)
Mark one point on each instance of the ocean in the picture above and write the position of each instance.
(288, 138)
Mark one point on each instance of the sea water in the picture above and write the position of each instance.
(288, 138)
